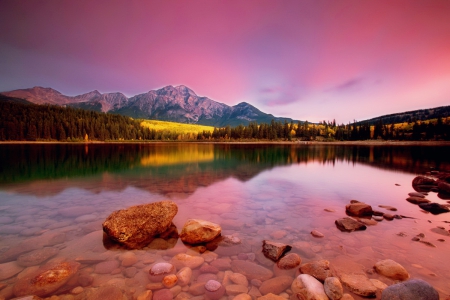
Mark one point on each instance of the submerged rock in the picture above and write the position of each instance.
(251, 270)
(36, 257)
(274, 250)
(391, 269)
(136, 226)
(349, 224)
(199, 231)
(45, 280)
(333, 288)
(359, 209)
(417, 200)
(415, 289)
(359, 284)
(318, 269)
(434, 208)
(289, 261)
(307, 287)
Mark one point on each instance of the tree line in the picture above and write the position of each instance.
(30, 122)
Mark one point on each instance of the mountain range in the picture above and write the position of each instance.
(176, 104)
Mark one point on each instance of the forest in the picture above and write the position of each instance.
(30, 122)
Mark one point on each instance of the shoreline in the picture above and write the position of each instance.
(305, 143)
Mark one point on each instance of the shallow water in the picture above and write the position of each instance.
(57, 196)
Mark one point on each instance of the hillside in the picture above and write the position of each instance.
(176, 104)
(411, 116)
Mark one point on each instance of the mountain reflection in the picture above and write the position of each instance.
(183, 167)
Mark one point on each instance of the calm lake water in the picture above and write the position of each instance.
(58, 195)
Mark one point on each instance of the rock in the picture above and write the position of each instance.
(136, 226)
(145, 295)
(391, 269)
(391, 208)
(378, 213)
(329, 210)
(349, 224)
(214, 290)
(222, 264)
(416, 194)
(160, 270)
(333, 288)
(359, 209)
(46, 279)
(243, 297)
(417, 200)
(307, 287)
(422, 180)
(9, 269)
(414, 289)
(235, 289)
(36, 257)
(444, 187)
(378, 218)
(199, 231)
(106, 267)
(182, 260)
(130, 272)
(434, 208)
(347, 297)
(109, 292)
(271, 297)
(170, 280)
(289, 261)
(316, 233)
(275, 285)
(239, 279)
(128, 259)
(388, 217)
(251, 270)
(359, 284)
(184, 276)
(318, 269)
(163, 294)
(274, 250)
(368, 222)
(379, 284)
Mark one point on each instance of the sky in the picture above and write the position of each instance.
(307, 60)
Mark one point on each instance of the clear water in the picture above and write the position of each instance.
(58, 196)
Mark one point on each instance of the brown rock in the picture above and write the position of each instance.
(106, 292)
(316, 233)
(391, 208)
(359, 209)
(136, 226)
(417, 200)
(333, 288)
(289, 261)
(275, 285)
(416, 194)
(391, 269)
(359, 284)
(388, 217)
(422, 180)
(349, 224)
(251, 270)
(36, 257)
(8, 270)
(274, 250)
(45, 280)
(199, 231)
(318, 269)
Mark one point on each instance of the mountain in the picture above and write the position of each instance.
(411, 116)
(177, 104)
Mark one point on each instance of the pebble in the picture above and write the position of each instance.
(307, 287)
(391, 269)
(239, 279)
(359, 284)
(275, 285)
(333, 288)
(214, 290)
(184, 276)
(106, 267)
(159, 270)
(163, 294)
(318, 269)
(170, 280)
(317, 234)
(251, 270)
(130, 272)
(182, 260)
(145, 295)
(235, 289)
(128, 259)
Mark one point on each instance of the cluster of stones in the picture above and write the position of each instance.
(423, 184)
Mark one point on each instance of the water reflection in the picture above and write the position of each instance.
(182, 168)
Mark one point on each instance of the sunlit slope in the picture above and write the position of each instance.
(179, 128)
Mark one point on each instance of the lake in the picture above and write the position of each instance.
(56, 196)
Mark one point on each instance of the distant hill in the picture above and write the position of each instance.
(411, 116)
(176, 104)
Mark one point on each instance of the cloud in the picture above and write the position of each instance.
(348, 85)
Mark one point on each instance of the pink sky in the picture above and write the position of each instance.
(307, 60)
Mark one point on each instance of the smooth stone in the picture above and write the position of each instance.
(349, 224)
(184, 276)
(136, 226)
(170, 280)
(243, 296)
(214, 290)
(160, 270)
(359, 284)
(106, 267)
(9, 269)
(197, 231)
(318, 269)
(378, 218)
(275, 285)
(235, 289)
(434, 208)
(289, 261)
(333, 288)
(391, 208)
(359, 209)
(444, 187)
(130, 272)
(251, 270)
(317, 234)
(239, 279)
(197, 288)
(208, 269)
(368, 222)
(378, 213)
(416, 194)
(391, 269)
(46, 279)
(128, 259)
(347, 297)
(205, 277)
(414, 289)
(163, 294)
(86, 218)
(274, 250)
(379, 284)
(145, 295)
(388, 217)
(222, 264)
(182, 260)
(422, 180)
(309, 288)
(417, 200)
(109, 292)
(271, 297)
(329, 210)
(36, 257)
